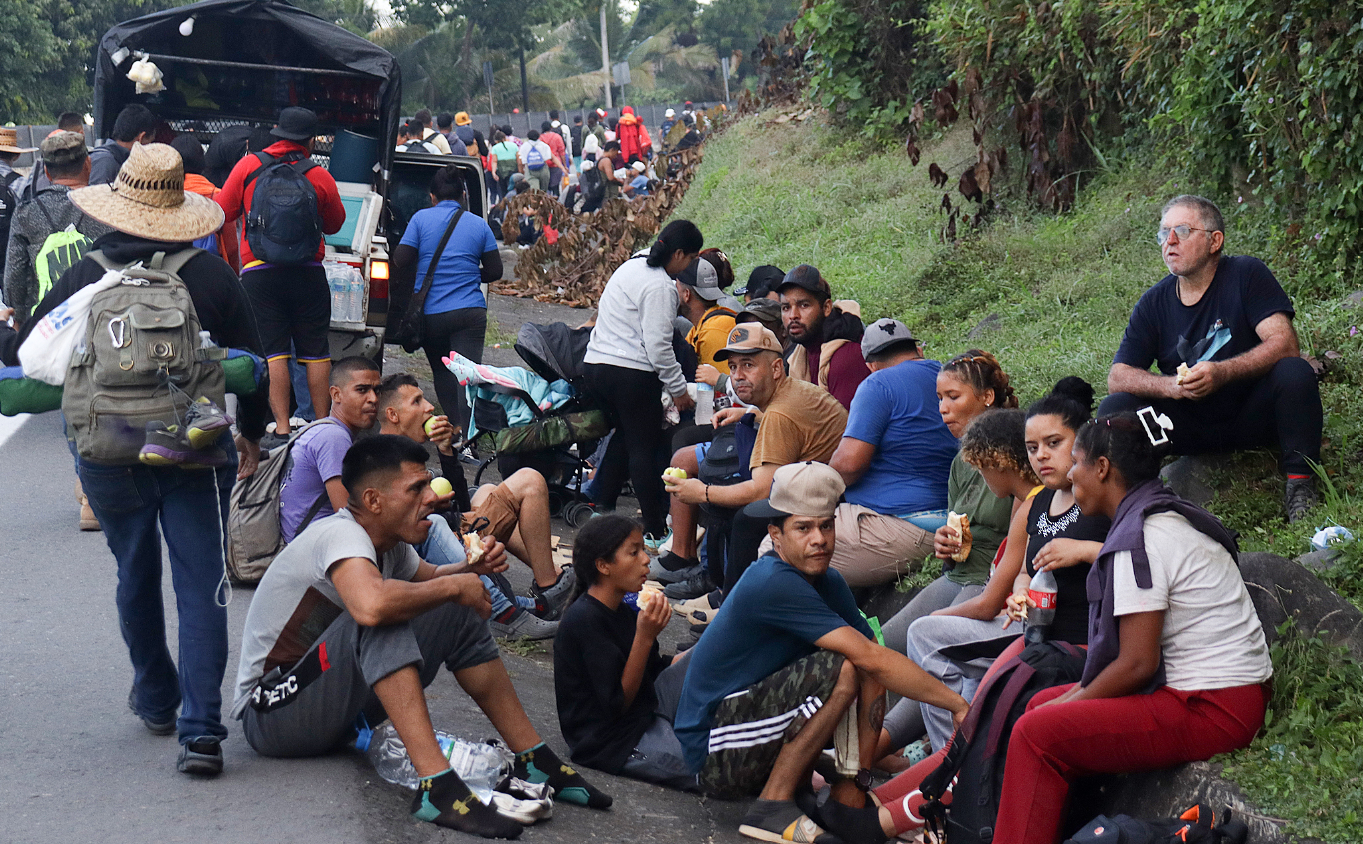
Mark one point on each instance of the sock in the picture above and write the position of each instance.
(861, 825)
(445, 800)
(540, 764)
(1299, 477)
(506, 617)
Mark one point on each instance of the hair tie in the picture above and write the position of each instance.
(1150, 417)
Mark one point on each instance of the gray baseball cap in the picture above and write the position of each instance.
(703, 277)
(884, 333)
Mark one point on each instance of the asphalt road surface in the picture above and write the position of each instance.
(77, 766)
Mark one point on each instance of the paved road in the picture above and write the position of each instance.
(76, 766)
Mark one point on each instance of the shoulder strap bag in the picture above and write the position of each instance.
(409, 330)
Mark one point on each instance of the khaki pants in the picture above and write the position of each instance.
(873, 549)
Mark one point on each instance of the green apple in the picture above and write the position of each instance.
(430, 425)
(441, 486)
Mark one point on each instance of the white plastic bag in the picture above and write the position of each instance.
(46, 354)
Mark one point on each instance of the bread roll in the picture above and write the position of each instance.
(473, 547)
(960, 522)
(647, 596)
(1183, 370)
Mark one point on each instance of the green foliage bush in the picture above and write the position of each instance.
(1260, 101)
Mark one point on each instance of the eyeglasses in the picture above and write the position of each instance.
(1162, 237)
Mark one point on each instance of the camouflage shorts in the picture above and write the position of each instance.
(750, 727)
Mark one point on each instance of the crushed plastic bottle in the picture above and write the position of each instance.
(481, 765)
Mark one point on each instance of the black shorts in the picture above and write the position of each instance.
(291, 304)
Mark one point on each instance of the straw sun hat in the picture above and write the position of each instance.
(148, 199)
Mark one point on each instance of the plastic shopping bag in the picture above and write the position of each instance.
(46, 354)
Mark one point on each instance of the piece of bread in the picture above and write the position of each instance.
(1183, 370)
(648, 595)
(960, 522)
(473, 547)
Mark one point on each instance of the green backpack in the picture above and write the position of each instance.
(140, 360)
(60, 251)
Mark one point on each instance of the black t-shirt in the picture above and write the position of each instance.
(1220, 326)
(590, 651)
(1072, 603)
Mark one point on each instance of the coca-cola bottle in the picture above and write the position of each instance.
(1042, 591)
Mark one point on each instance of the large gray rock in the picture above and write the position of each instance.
(1283, 589)
(1167, 793)
(1191, 476)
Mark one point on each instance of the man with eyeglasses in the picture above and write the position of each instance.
(1230, 372)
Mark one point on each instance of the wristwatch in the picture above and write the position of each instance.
(863, 779)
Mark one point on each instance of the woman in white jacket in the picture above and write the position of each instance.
(630, 362)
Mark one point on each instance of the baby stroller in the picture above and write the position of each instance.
(556, 439)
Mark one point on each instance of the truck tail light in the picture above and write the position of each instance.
(378, 279)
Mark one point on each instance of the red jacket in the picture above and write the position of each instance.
(234, 203)
(628, 134)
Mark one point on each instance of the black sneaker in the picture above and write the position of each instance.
(555, 598)
(202, 756)
(692, 587)
(271, 441)
(672, 568)
(156, 726)
(1300, 497)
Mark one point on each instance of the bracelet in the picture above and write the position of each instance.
(707, 493)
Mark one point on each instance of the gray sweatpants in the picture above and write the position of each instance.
(904, 721)
(321, 715)
(957, 651)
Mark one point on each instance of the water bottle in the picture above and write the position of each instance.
(481, 765)
(1042, 590)
(356, 296)
(336, 283)
(705, 404)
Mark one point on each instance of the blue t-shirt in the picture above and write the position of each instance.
(895, 410)
(313, 460)
(457, 276)
(774, 616)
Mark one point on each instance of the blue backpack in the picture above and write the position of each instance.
(283, 225)
(534, 159)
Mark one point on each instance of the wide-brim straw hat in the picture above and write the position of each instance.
(9, 141)
(148, 199)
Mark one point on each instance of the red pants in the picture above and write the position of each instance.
(1051, 746)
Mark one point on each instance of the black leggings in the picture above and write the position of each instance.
(633, 399)
(1281, 409)
(462, 331)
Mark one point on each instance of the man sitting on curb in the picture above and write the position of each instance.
(792, 637)
(798, 422)
(312, 481)
(895, 458)
(1230, 374)
(516, 513)
(349, 621)
(825, 334)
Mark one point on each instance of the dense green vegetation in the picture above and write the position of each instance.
(1050, 295)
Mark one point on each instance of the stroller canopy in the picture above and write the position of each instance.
(554, 351)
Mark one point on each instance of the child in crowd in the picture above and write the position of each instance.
(606, 660)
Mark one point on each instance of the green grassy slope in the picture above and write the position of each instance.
(1050, 296)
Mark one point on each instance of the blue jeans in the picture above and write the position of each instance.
(442, 548)
(298, 377)
(191, 507)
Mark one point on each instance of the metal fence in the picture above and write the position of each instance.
(31, 136)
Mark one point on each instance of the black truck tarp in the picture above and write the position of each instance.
(359, 88)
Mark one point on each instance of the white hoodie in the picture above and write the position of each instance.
(634, 323)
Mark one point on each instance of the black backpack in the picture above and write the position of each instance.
(8, 202)
(283, 225)
(979, 748)
(1195, 826)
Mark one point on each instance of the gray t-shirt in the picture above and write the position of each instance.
(296, 602)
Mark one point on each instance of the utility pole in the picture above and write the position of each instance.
(525, 88)
(605, 55)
